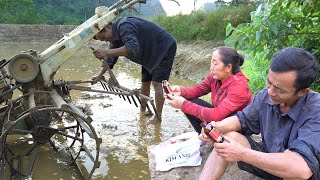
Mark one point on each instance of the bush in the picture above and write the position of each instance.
(278, 24)
(255, 68)
(200, 25)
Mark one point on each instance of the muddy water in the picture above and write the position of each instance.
(125, 133)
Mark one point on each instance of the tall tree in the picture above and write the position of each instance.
(19, 12)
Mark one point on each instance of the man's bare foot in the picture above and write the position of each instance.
(154, 120)
(146, 113)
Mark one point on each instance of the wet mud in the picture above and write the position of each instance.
(124, 131)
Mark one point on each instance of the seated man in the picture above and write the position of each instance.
(286, 113)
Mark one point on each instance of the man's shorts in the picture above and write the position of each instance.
(252, 169)
(162, 72)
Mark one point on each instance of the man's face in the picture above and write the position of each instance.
(105, 35)
(281, 87)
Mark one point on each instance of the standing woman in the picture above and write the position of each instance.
(228, 86)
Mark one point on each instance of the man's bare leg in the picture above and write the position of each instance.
(159, 99)
(145, 90)
(215, 165)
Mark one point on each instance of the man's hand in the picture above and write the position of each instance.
(230, 150)
(100, 53)
(175, 101)
(96, 79)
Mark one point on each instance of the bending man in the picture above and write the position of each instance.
(144, 43)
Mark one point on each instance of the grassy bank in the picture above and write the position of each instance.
(202, 26)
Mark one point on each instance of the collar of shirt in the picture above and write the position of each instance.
(294, 111)
(237, 77)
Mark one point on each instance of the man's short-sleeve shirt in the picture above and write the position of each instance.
(298, 129)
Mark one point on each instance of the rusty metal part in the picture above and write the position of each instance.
(82, 88)
(51, 121)
(79, 82)
(2, 161)
(132, 93)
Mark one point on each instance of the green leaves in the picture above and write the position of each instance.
(48, 11)
(229, 29)
(19, 12)
(278, 24)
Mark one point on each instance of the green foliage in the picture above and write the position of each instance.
(255, 69)
(237, 2)
(200, 25)
(49, 11)
(69, 11)
(19, 12)
(278, 24)
(234, 2)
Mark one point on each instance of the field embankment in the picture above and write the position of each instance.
(192, 59)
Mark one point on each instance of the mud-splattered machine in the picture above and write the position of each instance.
(43, 115)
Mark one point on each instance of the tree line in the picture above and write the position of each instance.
(53, 12)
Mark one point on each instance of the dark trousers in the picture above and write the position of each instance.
(195, 122)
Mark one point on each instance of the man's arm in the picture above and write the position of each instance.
(286, 164)
(116, 52)
(99, 76)
(228, 124)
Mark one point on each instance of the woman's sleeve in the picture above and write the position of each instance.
(197, 91)
(238, 96)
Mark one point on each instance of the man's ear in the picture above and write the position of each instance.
(109, 26)
(303, 92)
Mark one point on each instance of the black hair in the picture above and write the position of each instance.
(298, 60)
(231, 56)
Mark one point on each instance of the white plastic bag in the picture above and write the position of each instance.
(182, 150)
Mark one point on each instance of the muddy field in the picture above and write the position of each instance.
(192, 64)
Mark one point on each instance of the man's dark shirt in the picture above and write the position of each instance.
(297, 130)
(146, 41)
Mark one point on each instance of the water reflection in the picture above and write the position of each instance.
(124, 132)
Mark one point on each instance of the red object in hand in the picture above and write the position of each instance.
(212, 132)
(167, 87)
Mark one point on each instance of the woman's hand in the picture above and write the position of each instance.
(175, 100)
(204, 137)
(176, 90)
